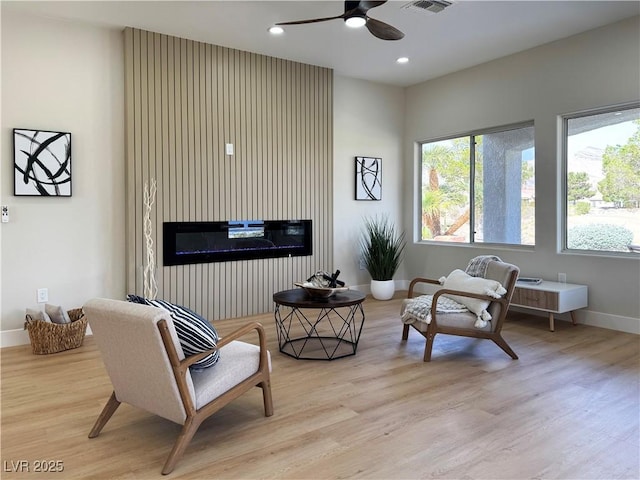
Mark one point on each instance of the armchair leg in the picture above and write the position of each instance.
(428, 347)
(267, 398)
(186, 434)
(505, 346)
(405, 331)
(108, 410)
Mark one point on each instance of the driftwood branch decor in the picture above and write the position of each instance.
(149, 274)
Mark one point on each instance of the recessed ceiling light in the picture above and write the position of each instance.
(403, 60)
(276, 30)
(355, 22)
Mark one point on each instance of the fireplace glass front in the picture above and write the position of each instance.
(205, 242)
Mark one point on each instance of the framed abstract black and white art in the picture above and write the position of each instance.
(42, 163)
(368, 178)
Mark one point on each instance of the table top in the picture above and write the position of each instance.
(549, 286)
(299, 298)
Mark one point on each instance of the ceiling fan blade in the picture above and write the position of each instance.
(313, 20)
(379, 29)
(383, 30)
(352, 8)
(369, 5)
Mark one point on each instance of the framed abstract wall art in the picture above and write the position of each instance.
(368, 178)
(42, 163)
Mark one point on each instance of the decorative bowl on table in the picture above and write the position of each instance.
(320, 292)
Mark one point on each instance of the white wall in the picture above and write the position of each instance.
(65, 77)
(60, 75)
(594, 69)
(368, 121)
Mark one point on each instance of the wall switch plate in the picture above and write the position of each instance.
(5, 214)
(229, 148)
(43, 295)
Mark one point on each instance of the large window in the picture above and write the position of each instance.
(480, 188)
(602, 181)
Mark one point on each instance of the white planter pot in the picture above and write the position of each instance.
(382, 289)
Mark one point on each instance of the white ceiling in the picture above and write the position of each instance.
(469, 32)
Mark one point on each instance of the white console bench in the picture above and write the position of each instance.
(552, 297)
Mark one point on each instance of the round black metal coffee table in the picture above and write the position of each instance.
(332, 333)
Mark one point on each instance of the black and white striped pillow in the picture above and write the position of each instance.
(195, 333)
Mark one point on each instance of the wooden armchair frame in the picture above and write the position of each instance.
(434, 327)
(195, 417)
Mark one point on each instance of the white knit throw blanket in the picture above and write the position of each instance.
(419, 308)
(478, 265)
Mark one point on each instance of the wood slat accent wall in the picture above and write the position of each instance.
(184, 101)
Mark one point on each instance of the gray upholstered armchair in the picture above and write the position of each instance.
(148, 369)
(485, 323)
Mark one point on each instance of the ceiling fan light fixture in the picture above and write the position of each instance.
(355, 15)
(355, 22)
(276, 30)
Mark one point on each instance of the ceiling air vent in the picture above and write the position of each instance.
(433, 6)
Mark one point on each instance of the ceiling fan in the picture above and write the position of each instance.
(355, 14)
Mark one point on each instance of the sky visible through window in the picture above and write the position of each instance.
(600, 138)
(595, 213)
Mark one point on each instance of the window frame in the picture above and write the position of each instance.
(470, 135)
(563, 191)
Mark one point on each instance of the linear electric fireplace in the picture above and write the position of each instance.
(205, 242)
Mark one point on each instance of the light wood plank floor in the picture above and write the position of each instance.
(569, 408)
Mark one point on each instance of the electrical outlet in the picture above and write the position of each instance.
(5, 214)
(229, 148)
(362, 265)
(43, 295)
(562, 277)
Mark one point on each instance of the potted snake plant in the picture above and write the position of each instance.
(382, 249)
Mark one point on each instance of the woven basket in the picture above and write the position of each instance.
(48, 337)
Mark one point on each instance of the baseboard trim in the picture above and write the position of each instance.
(612, 322)
(13, 338)
(584, 317)
(400, 285)
(17, 337)
(593, 319)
